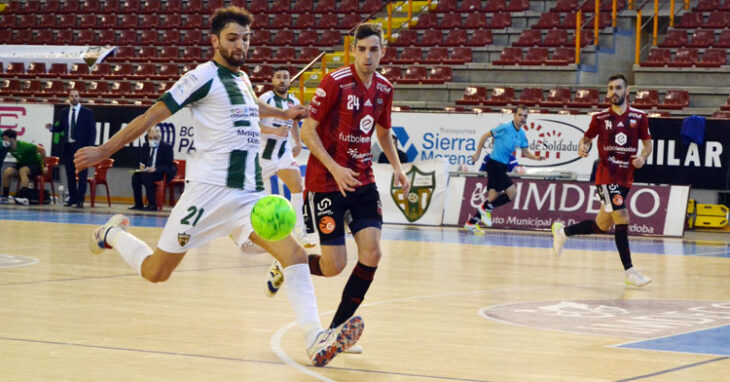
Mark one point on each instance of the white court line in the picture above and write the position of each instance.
(275, 342)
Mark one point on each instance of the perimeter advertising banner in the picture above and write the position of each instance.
(424, 204)
(29, 121)
(656, 210)
(455, 137)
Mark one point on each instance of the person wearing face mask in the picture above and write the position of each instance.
(155, 161)
(29, 163)
(76, 126)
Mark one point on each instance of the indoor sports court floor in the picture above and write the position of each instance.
(445, 306)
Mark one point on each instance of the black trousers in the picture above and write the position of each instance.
(147, 180)
(76, 193)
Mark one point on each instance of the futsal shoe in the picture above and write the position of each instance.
(306, 240)
(559, 238)
(22, 201)
(486, 216)
(330, 342)
(355, 349)
(275, 277)
(97, 241)
(473, 228)
(633, 277)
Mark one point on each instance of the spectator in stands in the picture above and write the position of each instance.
(155, 161)
(402, 156)
(29, 163)
(507, 137)
(77, 128)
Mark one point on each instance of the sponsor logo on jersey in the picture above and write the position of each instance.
(320, 93)
(368, 103)
(383, 88)
(324, 204)
(358, 155)
(621, 139)
(636, 115)
(618, 200)
(327, 225)
(353, 138)
(366, 124)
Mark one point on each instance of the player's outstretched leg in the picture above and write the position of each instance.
(559, 237)
(97, 241)
(274, 278)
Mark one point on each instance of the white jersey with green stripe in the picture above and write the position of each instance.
(225, 116)
(273, 146)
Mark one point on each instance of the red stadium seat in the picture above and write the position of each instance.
(480, 37)
(723, 40)
(110, 7)
(262, 73)
(279, 6)
(586, 38)
(518, 6)
(509, 56)
(473, 95)
(33, 7)
(149, 21)
(426, 21)
(657, 57)
(79, 86)
(78, 71)
(562, 56)
(283, 37)
(280, 21)
(324, 6)
(392, 73)
(548, 21)
(530, 96)
(107, 22)
(127, 37)
(570, 21)
(55, 88)
(212, 5)
(305, 21)
(690, 20)
(147, 37)
(195, 21)
(555, 37)
(535, 56)
(674, 38)
(46, 21)
(529, 37)
(171, 21)
(327, 21)
(330, 38)
(98, 89)
(437, 55)
(302, 6)
(500, 21)
(167, 54)
(306, 38)
(455, 38)
(371, 6)
(57, 70)
(432, 37)
(439, 75)
(675, 99)
(409, 55)
(144, 71)
(66, 21)
(349, 21)
(406, 37)
(147, 53)
(684, 58)
(15, 69)
(129, 6)
(468, 6)
(726, 106)
(413, 75)
(168, 72)
(390, 55)
(90, 6)
(284, 55)
(475, 21)
(193, 37)
(460, 55)
(43, 36)
(721, 115)
(702, 38)
(34, 70)
(446, 6)
(64, 36)
(725, 6)
(120, 89)
(348, 6)
(717, 20)
(260, 37)
(451, 21)
(171, 36)
(123, 70)
(707, 5)
(143, 89)
(565, 6)
(557, 97)
(585, 98)
(307, 54)
(100, 71)
(501, 96)
(603, 22)
(495, 6)
(258, 7)
(23, 36)
(712, 58)
(151, 6)
(260, 54)
(9, 87)
(645, 99)
(87, 21)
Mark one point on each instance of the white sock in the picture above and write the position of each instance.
(132, 249)
(297, 201)
(300, 292)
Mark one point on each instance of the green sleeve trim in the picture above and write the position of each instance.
(170, 103)
(196, 96)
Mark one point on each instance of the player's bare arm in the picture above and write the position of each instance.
(282, 131)
(345, 178)
(640, 160)
(91, 155)
(390, 152)
(527, 154)
(583, 146)
(475, 157)
(268, 111)
(297, 148)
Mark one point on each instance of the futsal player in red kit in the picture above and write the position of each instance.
(351, 105)
(619, 130)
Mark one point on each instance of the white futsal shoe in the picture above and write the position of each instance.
(559, 238)
(633, 277)
(97, 241)
(330, 342)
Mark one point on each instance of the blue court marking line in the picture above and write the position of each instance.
(671, 370)
(714, 341)
(526, 239)
(222, 358)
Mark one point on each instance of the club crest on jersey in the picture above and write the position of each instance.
(183, 238)
(320, 93)
(366, 124)
(416, 203)
(621, 139)
(632, 123)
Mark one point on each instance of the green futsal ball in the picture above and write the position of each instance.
(273, 218)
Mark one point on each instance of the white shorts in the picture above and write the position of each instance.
(269, 167)
(206, 212)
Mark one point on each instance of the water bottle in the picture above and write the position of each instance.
(62, 193)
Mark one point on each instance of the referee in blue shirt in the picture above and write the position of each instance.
(508, 137)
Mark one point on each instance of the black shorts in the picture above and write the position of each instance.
(497, 178)
(360, 209)
(35, 168)
(613, 196)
